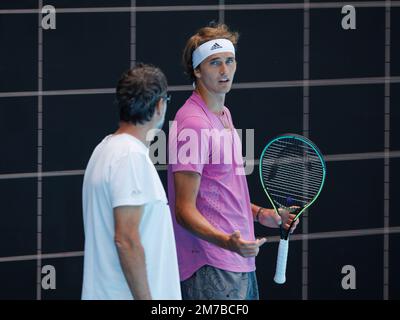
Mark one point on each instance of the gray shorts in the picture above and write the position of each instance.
(210, 283)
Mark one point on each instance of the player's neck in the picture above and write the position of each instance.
(138, 131)
(215, 102)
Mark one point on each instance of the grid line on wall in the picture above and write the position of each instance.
(227, 7)
(162, 167)
(386, 196)
(221, 11)
(306, 133)
(39, 198)
(235, 86)
(133, 35)
(274, 239)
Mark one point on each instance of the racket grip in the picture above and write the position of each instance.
(280, 273)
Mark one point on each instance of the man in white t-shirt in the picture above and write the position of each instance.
(130, 248)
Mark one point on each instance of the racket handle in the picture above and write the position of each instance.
(280, 273)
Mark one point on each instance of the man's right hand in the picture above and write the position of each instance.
(245, 248)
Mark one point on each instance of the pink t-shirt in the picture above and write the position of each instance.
(223, 197)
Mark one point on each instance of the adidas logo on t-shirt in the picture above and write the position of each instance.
(215, 46)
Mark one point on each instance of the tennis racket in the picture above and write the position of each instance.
(292, 173)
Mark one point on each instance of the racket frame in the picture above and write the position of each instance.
(280, 276)
(319, 154)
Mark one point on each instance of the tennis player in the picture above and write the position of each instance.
(209, 197)
(130, 250)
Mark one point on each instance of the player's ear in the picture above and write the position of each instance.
(197, 73)
(160, 107)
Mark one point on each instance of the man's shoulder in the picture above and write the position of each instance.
(192, 115)
(123, 146)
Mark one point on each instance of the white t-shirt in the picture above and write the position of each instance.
(120, 173)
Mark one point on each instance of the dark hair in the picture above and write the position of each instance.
(138, 92)
(212, 31)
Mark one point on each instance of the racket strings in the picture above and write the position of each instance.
(291, 171)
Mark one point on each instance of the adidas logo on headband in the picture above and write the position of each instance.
(215, 46)
(210, 47)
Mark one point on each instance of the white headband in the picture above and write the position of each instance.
(209, 48)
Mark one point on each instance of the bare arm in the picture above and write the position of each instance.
(269, 218)
(187, 215)
(130, 250)
(266, 217)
